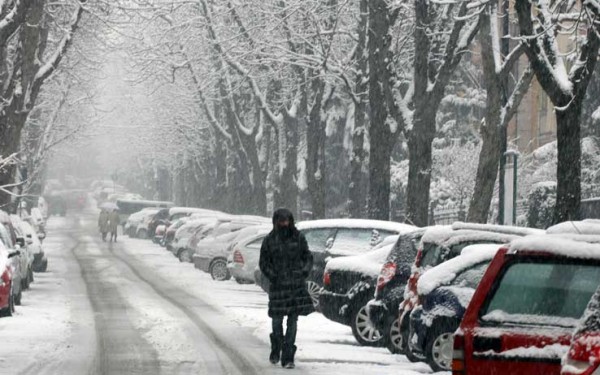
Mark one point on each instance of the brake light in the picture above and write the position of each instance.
(418, 258)
(458, 355)
(237, 257)
(326, 279)
(584, 356)
(387, 273)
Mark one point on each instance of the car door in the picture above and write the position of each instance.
(318, 240)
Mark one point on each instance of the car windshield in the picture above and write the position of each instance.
(349, 241)
(317, 238)
(542, 292)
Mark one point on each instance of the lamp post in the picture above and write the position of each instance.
(509, 200)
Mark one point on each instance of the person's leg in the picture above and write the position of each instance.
(289, 349)
(276, 339)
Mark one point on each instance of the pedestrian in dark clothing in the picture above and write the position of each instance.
(113, 224)
(286, 262)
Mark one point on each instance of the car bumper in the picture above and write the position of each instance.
(4, 296)
(417, 333)
(379, 314)
(240, 272)
(201, 263)
(335, 307)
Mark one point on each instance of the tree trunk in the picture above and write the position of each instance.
(357, 194)
(568, 173)
(380, 134)
(287, 191)
(315, 152)
(487, 171)
(419, 167)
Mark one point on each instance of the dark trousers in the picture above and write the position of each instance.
(292, 328)
(103, 236)
(113, 236)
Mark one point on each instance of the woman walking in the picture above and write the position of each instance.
(286, 262)
(114, 222)
(103, 223)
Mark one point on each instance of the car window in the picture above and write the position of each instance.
(256, 244)
(317, 238)
(349, 241)
(471, 277)
(543, 289)
(432, 255)
(405, 250)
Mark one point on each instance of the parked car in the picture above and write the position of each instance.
(210, 254)
(333, 238)
(14, 262)
(26, 254)
(244, 254)
(10, 294)
(34, 244)
(527, 305)
(192, 228)
(382, 310)
(166, 216)
(135, 219)
(131, 206)
(444, 294)
(583, 357)
(171, 230)
(348, 284)
(438, 245)
(143, 229)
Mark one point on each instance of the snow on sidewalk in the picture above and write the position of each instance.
(324, 347)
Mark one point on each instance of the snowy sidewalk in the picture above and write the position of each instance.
(324, 347)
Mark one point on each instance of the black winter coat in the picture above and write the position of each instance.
(286, 262)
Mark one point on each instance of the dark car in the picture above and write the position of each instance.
(389, 290)
(444, 294)
(337, 238)
(349, 284)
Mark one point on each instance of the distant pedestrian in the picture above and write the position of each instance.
(286, 262)
(103, 223)
(114, 222)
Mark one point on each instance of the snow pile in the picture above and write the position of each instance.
(437, 234)
(554, 351)
(498, 316)
(366, 264)
(391, 226)
(447, 271)
(506, 229)
(573, 247)
(591, 227)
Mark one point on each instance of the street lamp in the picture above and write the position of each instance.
(508, 206)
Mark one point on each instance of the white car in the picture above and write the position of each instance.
(135, 219)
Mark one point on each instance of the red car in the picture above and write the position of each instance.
(7, 301)
(584, 354)
(522, 315)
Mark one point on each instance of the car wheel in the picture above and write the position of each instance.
(184, 256)
(363, 330)
(395, 341)
(30, 276)
(10, 309)
(44, 267)
(17, 298)
(314, 290)
(439, 348)
(243, 281)
(219, 271)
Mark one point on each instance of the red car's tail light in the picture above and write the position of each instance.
(418, 258)
(326, 279)
(584, 356)
(238, 257)
(387, 273)
(458, 355)
(4, 279)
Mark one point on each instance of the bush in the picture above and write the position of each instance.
(541, 202)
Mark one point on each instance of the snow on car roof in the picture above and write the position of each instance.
(357, 223)
(583, 247)
(576, 227)
(507, 229)
(461, 236)
(444, 273)
(437, 233)
(185, 210)
(368, 264)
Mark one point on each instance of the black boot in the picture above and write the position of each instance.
(276, 343)
(287, 356)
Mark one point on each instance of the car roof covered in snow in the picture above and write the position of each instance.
(589, 226)
(190, 210)
(367, 264)
(507, 229)
(573, 246)
(444, 273)
(357, 224)
(445, 236)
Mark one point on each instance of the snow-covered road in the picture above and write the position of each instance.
(132, 308)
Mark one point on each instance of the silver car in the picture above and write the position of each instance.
(243, 259)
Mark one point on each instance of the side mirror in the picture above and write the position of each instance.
(13, 254)
(21, 241)
(41, 236)
(329, 243)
